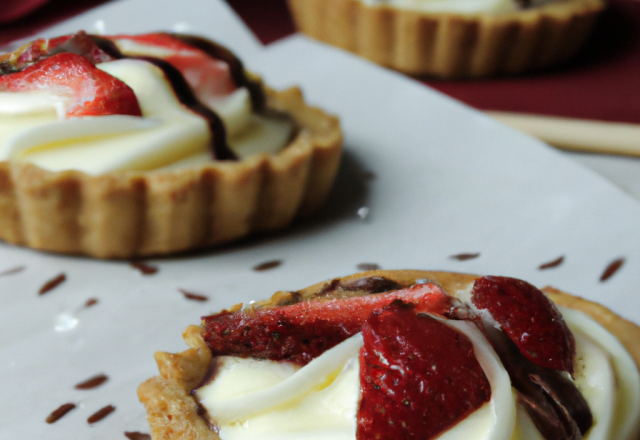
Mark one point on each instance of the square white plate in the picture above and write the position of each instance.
(423, 178)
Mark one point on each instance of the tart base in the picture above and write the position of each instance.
(450, 45)
(173, 414)
(135, 214)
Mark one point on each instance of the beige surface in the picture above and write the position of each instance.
(173, 414)
(451, 45)
(131, 214)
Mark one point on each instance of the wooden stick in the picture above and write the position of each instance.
(577, 134)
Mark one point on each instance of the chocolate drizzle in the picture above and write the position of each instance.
(92, 383)
(611, 269)
(52, 284)
(267, 265)
(143, 267)
(219, 146)
(238, 73)
(369, 285)
(60, 412)
(101, 414)
(464, 257)
(135, 435)
(193, 296)
(555, 263)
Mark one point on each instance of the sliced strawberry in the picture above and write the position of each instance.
(88, 91)
(79, 43)
(418, 376)
(530, 320)
(303, 331)
(208, 77)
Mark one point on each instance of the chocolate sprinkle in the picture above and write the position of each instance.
(13, 270)
(193, 296)
(267, 265)
(52, 284)
(368, 266)
(60, 412)
(611, 269)
(464, 257)
(137, 435)
(144, 268)
(101, 414)
(555, 263)
(93, 382)
(91, 302)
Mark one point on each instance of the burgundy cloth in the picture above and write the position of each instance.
(602, 83)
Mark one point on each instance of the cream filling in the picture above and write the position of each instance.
(33, 128)
(457, 6)
(264, 399)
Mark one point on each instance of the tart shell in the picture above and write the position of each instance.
(449, 45)
(135, 214)
(174, 415)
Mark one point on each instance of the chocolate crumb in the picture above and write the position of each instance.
(611, 269)
(464, 257)
(91, 302)
(368, 266)
(52, 284)
(137, 435)
(13, 270)
(93, 382)
(101, 414)
(143, 267)
(555, 263)
(60, 412)
(267, 265)
(193, 296)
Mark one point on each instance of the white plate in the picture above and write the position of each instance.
(448, 180)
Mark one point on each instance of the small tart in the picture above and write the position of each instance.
(126, 214)
(451, 45)
(174, 414)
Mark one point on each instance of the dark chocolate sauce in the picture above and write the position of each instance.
(219, 147)
(136, 435)
(143, 267)
(92, 383)
(236, 68)
(13, 270)
(370, 285)
(555, 263)
(101, 414)
(91, 302)
(60, 412)
(464, 257)
(185, 95)
(368, 266)
(611, 269)
(52, 284)
(267, 265)
(193, 296)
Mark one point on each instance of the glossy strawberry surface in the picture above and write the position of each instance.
(303, 331)
(85, 89)
(418, 376)
(530, 320)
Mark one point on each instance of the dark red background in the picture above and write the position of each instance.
(603, 83)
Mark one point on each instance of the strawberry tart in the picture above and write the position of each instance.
(124, 146)
(403, 354)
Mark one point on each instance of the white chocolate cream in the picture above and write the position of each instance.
(457, 6)
(264, 399)
(33, 128)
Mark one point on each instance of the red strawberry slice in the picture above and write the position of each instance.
(418, 376)
(303, 331)
(207, 76)
(79, 43)
(530, 320)
(89, 90)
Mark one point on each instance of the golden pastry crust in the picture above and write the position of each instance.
(134, 214)
(173, 413)
(450, 45)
